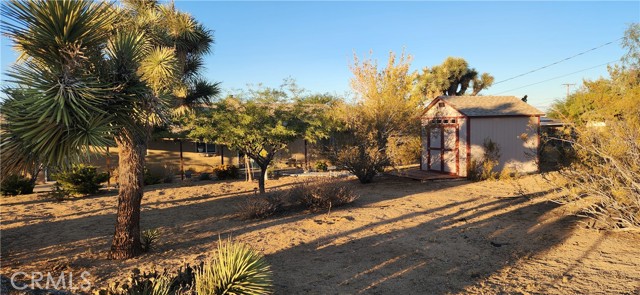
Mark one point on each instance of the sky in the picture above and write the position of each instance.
(315, 42)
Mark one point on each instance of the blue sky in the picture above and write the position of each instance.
(314, 42)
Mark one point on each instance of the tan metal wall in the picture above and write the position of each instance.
(517, 138)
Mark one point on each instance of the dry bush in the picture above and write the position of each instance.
(258, 207)
(308, 195)
(320, 195)
(404, 150)
(606, 173)
(483, 168)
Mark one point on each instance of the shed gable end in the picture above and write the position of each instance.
(440, 109)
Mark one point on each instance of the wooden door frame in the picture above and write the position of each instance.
(444, 150)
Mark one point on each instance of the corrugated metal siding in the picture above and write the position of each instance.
(516, 137)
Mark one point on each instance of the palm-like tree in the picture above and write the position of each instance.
(92, 74)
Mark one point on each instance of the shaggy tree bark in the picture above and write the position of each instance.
(126, 240)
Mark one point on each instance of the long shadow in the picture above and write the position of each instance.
(210, 215)
(111, 193)
(438, 256)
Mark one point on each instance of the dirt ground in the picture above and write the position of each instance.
(400, 237)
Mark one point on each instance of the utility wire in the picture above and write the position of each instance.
(557, 62)
(558, 77)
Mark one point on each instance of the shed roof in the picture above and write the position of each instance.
(485, 106)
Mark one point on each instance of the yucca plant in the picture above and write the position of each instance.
(93, 74)
(237, 269)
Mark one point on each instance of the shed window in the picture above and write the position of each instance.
(441, 104)
(446, 121)
(439, 121)
(453, 120)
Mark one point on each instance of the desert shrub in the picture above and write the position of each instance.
(484, 168)
(321, 166)
(237, 269)
(149, 239)
(158, 174)
(204, 176)
(13, 184)
(258, 207)
(404, 150)
(606, 174)
(364, 160)
(508, 173)
(320, 195)
(226, 172)
(147, 283)
(82, 180)
(57, 193)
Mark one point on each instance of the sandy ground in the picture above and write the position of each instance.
(400, 237)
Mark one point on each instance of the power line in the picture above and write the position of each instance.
(557, 62)
(558, 77)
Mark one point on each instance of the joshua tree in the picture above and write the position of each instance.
(92, 74)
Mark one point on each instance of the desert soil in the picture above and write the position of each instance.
(400, 237)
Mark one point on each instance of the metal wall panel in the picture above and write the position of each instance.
(517, 138)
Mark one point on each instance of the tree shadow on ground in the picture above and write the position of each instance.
(202, 218)
(436, 246)
(435, 251)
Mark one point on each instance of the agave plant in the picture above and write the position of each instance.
(92, 74)
(237, 269)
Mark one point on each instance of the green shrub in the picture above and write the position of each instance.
(158, 174)
(81, 180)
(226, 172)
(321, 166)
(204, 176)
(16, 185)
(149, 238)
(237, 269)
(57, 193)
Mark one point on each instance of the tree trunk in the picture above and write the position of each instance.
(247, 169)
(126, 240)
(34, 174)
(263, 177)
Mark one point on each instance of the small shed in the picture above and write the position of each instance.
(455, 128)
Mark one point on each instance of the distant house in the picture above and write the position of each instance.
(456, 127)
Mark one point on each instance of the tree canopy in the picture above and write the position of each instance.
(385, 108)
(453, 78)
(607, 164)
(264, 122)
